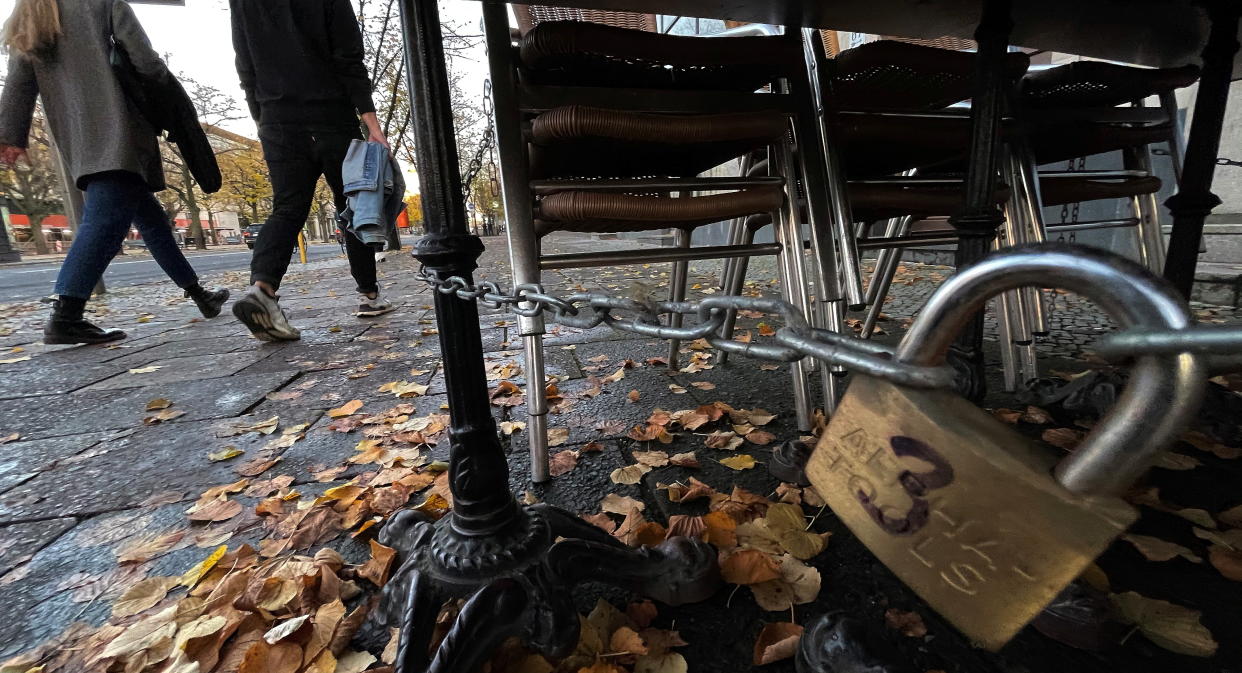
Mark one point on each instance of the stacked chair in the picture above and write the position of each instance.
(607, 128)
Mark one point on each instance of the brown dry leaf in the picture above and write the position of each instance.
(1063, 438)
(1203, 442)
(703, 385)
(620, 504)
(740, 462)
(1155, 549)
(684, 460)
(139, 370)
(676, 389)
(798, 584)
(225, 454)
(776, 642)
(627, 641)
(377, 568)
(510, 427)
(636, 531)
(278, 658)
(13, 437)
(601, 520)
(719, 529)
(749, 566)
(285, 629)
(910, 624)
(766, 330)
(652, 458)
(591, 447)
(760, 417)
(760, 437)
(220, 509)
(557, 436)
(1037, 416)
(157, 404)
(669, 662)
(562, 462)
(256, 466)
(348, 409)
(633, 395)
(1227, 561)
(726, 439)
(1173, 627)
(1169, 460)
(144, 595)
(1231, 517)
(631, 474)
(769, 368)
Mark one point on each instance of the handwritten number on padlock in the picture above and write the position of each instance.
(915, 484)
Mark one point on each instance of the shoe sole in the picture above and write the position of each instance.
(53, 341)
(257, 321)
(372, 314)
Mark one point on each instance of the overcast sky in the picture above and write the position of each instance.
(196, 41)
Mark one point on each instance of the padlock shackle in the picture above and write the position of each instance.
(1164, 392)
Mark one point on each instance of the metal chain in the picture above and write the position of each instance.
(486, 145)
(797, 339)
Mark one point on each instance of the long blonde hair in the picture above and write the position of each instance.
(32, 28)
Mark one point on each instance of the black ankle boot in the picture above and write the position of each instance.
(209, 301)
(67, 326)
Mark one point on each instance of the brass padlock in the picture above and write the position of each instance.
(962, 508)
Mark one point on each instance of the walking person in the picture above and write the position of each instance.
(301, 65)
(59, 49)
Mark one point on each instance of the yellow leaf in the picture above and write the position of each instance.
(15, 360)
(157, 404)
(143, 370)
(224, 454)
(739, 462)
(557, 436)
(788, 527)
(348, 409)
(193, 575)
(631, 474)
(1173, 627)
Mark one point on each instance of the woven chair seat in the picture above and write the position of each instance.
(600, 212)
(1098, 84)
(891, 75)
(1060, 191)
(578, 141)
(591, 54)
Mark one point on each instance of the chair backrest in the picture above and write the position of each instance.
(529, 16)
(832, 42)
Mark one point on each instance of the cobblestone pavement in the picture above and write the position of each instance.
(80, 470)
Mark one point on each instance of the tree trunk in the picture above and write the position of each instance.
(36, 230)
(195, 230)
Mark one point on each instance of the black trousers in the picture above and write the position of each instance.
(297, 155)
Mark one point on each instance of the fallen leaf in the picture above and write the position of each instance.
(557, 436)
(632, 396)
(740, 462)
(1007, 415)
(749, 566)
(788, 527)
(910, 624)
(10, 438)
(669, 662)
(1155, 549)
(620, 504)
(1037, 416)
(1173, 627)
(348, 409)
(676, 389)
(510, 427)
(703, 385)
(285, 629)
(24, 358)
(1227, 561)
(601, 520)
(684, 460)
(157, 404)
(378, 567)
(144, 595)
(615, 376)
(1063, 438)
(1203, 442)
(592, 447)
(1169, 460)
(225, 454)
(652, 458)
(256, 466)
(163, 415)
(140, 370)
(798, 584)
(562, 462)
(193, 575)
(215, 510)
(776, 642)
(760, 437)
(631, 474)
(766, 330)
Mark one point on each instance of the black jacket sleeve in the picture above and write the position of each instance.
(245, 66)
(348, 54)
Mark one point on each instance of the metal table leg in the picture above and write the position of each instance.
(504, 558)
(979, 217)
(1194, 199)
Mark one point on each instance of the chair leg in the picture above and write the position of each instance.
(789, 235)
(677, 292)
(536, 407)
(735, 284)
(882, 279)
(1177, 134)
(1029, 225)
(1009, 363)
(1148, 234)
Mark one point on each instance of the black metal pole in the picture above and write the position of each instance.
(979, 217)
(478, 472)
(1194, 199)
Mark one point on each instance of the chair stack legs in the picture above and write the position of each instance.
(536, 407)
(677, 292)
(1149, 236)
(882, 278)
(793, 286)
(740, 233)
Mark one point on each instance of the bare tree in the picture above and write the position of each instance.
(35, 185)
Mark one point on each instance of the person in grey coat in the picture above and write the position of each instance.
(60, 50)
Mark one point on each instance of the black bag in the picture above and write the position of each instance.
(165, 105)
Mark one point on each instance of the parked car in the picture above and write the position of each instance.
(232, 240)
(250, 234)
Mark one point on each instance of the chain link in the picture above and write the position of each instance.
(486, 147)
(797, 339)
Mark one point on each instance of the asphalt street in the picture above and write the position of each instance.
(30, 281)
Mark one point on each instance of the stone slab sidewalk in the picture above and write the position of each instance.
(82, 474)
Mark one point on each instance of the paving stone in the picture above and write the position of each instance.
(106, 410)
(22, 461)
(37, 378)
(19, 542)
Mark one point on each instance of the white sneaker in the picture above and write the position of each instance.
(369, 308)
(261, 314)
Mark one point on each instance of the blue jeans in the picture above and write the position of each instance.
(113, 201)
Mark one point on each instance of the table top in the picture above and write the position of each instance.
(1161, 33)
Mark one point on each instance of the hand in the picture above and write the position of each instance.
(375, 134)
(10, 155)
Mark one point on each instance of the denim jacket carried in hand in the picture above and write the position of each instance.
(375, 190)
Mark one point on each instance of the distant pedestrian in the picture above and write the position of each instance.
(301, 66)
(59, 49)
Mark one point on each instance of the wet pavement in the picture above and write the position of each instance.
(89, 462)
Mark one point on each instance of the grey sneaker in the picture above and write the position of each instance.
(369, 308)
(261, 314)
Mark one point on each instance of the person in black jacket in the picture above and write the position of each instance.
(301, 67)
